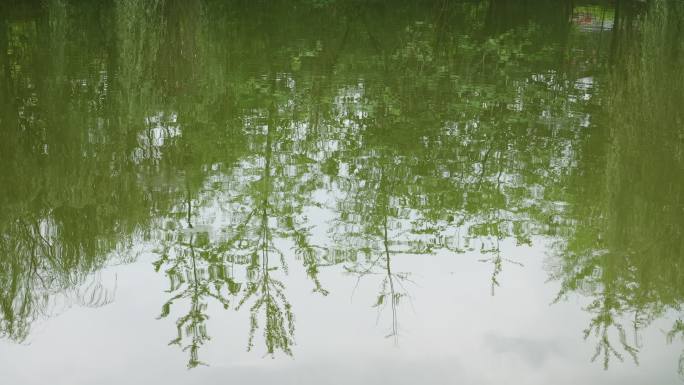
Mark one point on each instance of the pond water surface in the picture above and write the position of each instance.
(341, 192)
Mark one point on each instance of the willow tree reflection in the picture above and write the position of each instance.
(263, 204)
(370, 232)
(442, 157)
(196, 273)
(90, 162)
(70, 201)
(217, 132)
(624, 246)
(677, 331)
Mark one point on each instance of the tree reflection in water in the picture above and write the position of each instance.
(228, 137)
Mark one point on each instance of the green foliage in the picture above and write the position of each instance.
(228, 134)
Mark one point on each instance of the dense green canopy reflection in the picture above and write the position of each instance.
(235, 139)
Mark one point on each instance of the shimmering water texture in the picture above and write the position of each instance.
(341, 192)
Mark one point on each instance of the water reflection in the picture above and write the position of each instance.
(234, 142)
(625, 248)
